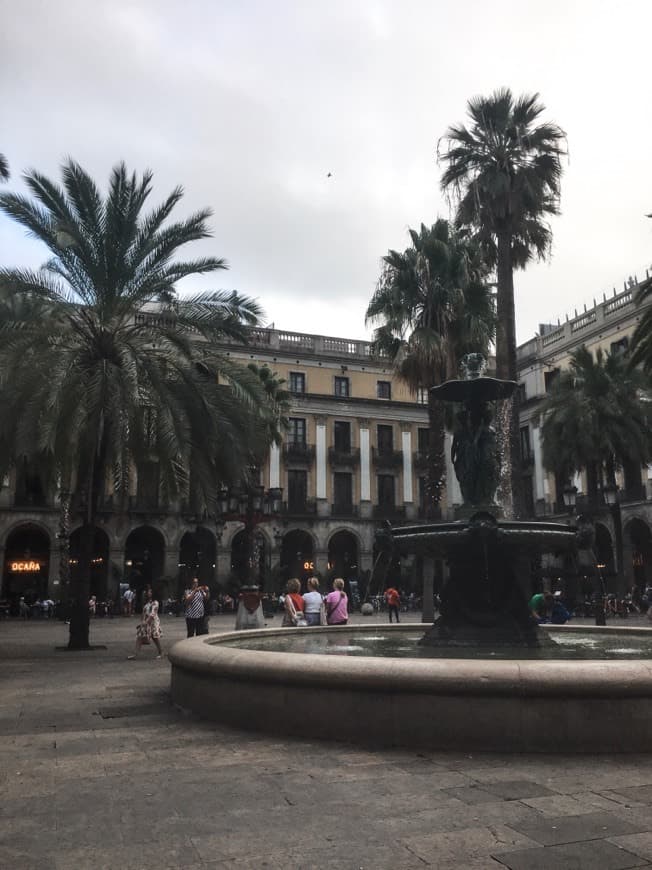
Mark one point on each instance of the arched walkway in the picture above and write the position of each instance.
(297, 556)
(638, 549)
(343, 556)
(27, 563)
(144, 560)
(99, 585)
(197, 553)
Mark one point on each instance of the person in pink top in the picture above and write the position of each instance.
(337, 604)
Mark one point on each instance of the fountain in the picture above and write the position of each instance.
(485, 676)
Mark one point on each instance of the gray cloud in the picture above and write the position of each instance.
(250, 104)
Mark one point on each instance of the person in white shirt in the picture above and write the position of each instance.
(313, 602)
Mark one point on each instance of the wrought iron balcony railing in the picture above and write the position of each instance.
(384, 458)
(347, 457)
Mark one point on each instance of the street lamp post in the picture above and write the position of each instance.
(612, 498)
(251, 506)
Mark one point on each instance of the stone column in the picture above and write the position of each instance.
(54, 581)
(114, 578)
(320, 466)
(274, 466)
(365, 468)
(408, 491)
(539, 474)
(320, 561)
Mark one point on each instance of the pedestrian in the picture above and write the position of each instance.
(337, 604)
(148, 629)
(293, 605)
(313, 603)
(207, 596)
(393, 601)
(250, 609)
(92, 606)
(193, 604)
(128, 601)
(541, 606)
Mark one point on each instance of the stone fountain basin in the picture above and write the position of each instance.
(457, 704)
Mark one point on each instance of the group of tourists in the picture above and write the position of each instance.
(311, 608)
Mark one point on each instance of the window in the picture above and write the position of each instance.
(386, 490)
(342, 489)
(619, 346)
(549, 378)
(423, 439)
(422, 396)
(384, 389)
(526, 448)
(296, 431)
(342, 436)
(522, 394)
(297, 490)
(342, 387)
(385, 439)
(297, 382)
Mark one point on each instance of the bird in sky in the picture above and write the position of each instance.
(330, 175)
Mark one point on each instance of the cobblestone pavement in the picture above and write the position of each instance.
(98, 770)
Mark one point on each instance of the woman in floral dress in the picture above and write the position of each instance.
(149, 628)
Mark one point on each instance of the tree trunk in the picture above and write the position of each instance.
(506, 362)
(436, 457)
(80, 591)
(80, 587)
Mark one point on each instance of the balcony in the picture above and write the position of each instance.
(392, 512)
(384, 458)
(348, 457)
(306, 507)
(345, 510)
(298, 453)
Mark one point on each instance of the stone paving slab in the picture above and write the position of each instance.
(594, 855)
(573, 829)
(152, 786)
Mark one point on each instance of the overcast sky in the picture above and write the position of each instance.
(250, 104)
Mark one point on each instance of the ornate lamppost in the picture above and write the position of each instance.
(250, 506)
(612, 498)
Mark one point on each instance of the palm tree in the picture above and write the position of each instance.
(104, 368)
(433, 306)
(641, 347)
(504, 170)
(595, 418)
(4, 168)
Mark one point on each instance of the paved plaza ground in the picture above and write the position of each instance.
(98, 770)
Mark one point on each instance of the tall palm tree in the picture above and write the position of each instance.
(432, 306)
(4, 168)
(595, 418)
(504, 171)
(641, 347)
(104, 368)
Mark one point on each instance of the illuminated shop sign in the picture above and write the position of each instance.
(27, 567)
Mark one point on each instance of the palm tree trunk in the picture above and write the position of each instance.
(80, 587)
(80, 591)
(506, 362)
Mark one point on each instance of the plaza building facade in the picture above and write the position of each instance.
(354, 456)
(623, 531)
